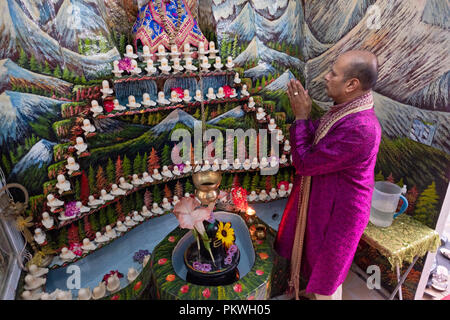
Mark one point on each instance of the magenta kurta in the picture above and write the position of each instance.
(341, 167)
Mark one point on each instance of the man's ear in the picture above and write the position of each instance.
(352, 85)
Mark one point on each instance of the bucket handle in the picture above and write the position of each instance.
(403, 208)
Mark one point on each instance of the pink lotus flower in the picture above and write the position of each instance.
(189, 216)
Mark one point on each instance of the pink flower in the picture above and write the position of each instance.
(171, 239)
(259, 272)
(184, 289)
(108, 105)
(125, 64)
(179, 91)
(206, 293)
(189, 216)
(237, 288)
(228, 91)
(162, 261)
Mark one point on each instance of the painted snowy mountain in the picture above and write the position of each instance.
(176, 116)
(11, 73)
(257, 50)
(262, 69)
(413, 55)
(19, 111)
(18, 29)
(281, 82)
(34, 164)
(233, 113)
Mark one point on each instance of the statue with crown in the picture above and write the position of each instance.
(167, 23)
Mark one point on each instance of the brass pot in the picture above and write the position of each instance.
(207, 186)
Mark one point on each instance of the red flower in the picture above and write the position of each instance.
(170, 277)
(184, 289)
(162, 261)
(259, 272)
(206, 293)
(286, 185)
(263, 255)
(259, 241)
(237, 288)
(179, 91)
(137, 286)
(115, 297)
(171, 239)
(227, 91)
(108, 105)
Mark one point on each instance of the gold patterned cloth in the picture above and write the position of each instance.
(403, 240)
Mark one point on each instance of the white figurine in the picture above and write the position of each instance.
(71, 165)
(129, 52)
(118, 106)
(175, 200)
(174, 53)
(125, 185)
(247, 164)
(164, 67)
(252, 196)
(150, 68)
(36, 271)
(110, 232)
(105, 196)
(287, 146)
(166, 204)
(32, 283)
(237, 164)
(201, 50)
(132, 274)
(161, 52)
(280, 135)
(146, 55)
(132, 103)
(236, 78)
(205, 64)
(39, 236)
(255, 163)
(187, 54)
(197, 166)
(174, 98)
(264, 163)
(62, 216)
(251, 103)
(273, 193)
(80, 146)
(94, 203)
(210, 95)
(63, 295)
(263, 195)
(233, 93)
(162, 99)
(198, 96)
(53, 203)
(282, 191)
(135, 69)
(177, 66)
(187, 168)
(260, 114)
(99, 291)
(166, 172)
(273, 162)
(156, 209)
(32, 295)
(117, 72)
(146, 101)
(113, 283)
(272, 125)
(136, 181)
(206, 166)
(129, 222)
(106, 90)
(88, 245)
(220, 93)
(99, 238)
(218, 64)
(212, 50)
(84, 294)
(230, 63)
(156, 175)
(82, 208)
(176, 171)
(137, 217)
(224, 166)
(244, 91)
(66, 254)
(120, 227)
(116, 191)
(96, 108)
(87, 127)
(145, 212)
(283, 159)
(186, 97)
(189, 66)
(47, 221)
(147, 178)
(63, 185)
(215, 166)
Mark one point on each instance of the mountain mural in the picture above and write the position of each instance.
(281, 83)
(233, 113)
(176, 116)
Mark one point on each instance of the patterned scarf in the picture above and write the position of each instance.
(336, 113)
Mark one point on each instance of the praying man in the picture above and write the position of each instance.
(334, 159)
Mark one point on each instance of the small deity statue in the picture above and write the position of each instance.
(36, 271)
(33, 283)
(135, 69)
(150, 68)
(118, 106)
(164, 67)
(260, 114)
(162, 99)
(53, 202)
(39, 237)
(117, 72)
(264, 163)
(263, 195)
(166, 204)
(156, 175)
(252, 196)
(206, 166)
(47, 221)
(212, 50)
(71, 165)
(273, 193)
(237, 80)
(186, 97)
(220, 93)
(174, 98)
(100, 238)
(230, 63)
(145, 212)
(273, 162)
(63, 185)
(147, 178)
(175, 200)
(96, 109)
(210, 95)
(283, 159)
(247, 164)
(189, 66)
(124, 185)
(156, 209)
(87, 127)
(84, 294)
(105, 196)
(280, 136)
(130, 222)
(187, 53)
(233, 93)
(201, 51)
(174, 53)
(129, 52)
(198, 96)
(282, 191)
(166, 172)
(132, 103)
(272, 125)
(176, 171)
(161, 54)
(255, 163)
(251, 103)
(88, 245)
(110, 232)
(177, 67)
(99, 291)
(287, 146)
(215, 166)
(146, 55)
(244, 91)
(132, 274)
(197, 166)
(81, 208)
(218, 64)
(237, 164)
(116, 191)
(80, 145)
(94, 203)
(224, 166)
(120, 227)
(187, 167)
(106, 90)
(205, 64)
(136, 181)
(146, 101)
(66, 254)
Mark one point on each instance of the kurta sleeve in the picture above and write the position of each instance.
(341, 148)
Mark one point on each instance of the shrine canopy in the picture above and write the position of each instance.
(161, 20)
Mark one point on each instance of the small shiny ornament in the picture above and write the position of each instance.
(207, 186)
(260, 231)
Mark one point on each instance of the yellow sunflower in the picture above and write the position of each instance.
(225, 234)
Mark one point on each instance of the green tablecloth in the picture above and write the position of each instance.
(403, 240)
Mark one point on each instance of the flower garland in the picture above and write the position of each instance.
(110, 274)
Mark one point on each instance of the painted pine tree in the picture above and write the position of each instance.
(167, 192)
(126, 166)
(89, 232)
(143, 167)
(165, 155)
(178, 190)
(137, 162)
(91, 179)
(426, 207)
(110, 171)
(156, 194)
(102, 182)
(119, 170)
(148, 200)
(72, 234)
(153, 161)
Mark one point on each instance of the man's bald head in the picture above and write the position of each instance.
(362, 65)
